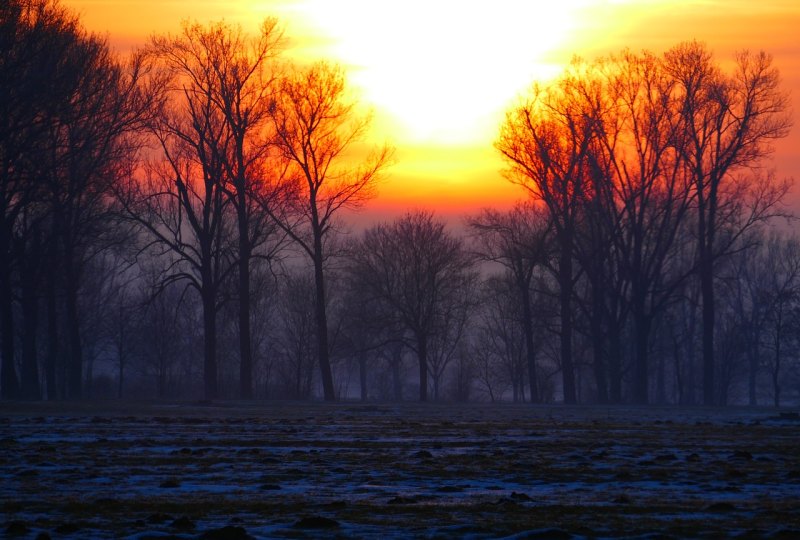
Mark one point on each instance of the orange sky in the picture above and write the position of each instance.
(440, 73)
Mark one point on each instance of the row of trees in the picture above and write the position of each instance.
(186, 203)
(638, 159)
(202, 151)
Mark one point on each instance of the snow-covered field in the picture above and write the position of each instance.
(396, 471)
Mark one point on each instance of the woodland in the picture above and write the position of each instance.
(176, 223)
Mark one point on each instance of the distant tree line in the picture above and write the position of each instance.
(172, 227)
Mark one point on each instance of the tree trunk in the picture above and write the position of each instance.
(209, 344)
(565, 300)
(245, 339)
(752, 376)
(52, 335)
(615, 363)
(161, 383)
(422, 353)
(362, 375)
(530, 351)
(323, 352)
(121, 377)
(30, 325)
(776, 384)
(397, 383)
(707, 292)
(8, 371)
(598, 339)
(641, 327)
(75, 368)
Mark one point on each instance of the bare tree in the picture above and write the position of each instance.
(517, 240)
(241, 80)
(728, 122)
(296, 342)
(501, 341)
(227, 80)
(546, 141)
(649, 195)
(32, 83)
(781, 272)
(421, 273)
(70, 110)
(182, 204)
(318, 129)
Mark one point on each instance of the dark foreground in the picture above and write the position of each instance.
(384, 471)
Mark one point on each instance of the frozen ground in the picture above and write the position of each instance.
(385, 471)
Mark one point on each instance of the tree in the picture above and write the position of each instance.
(517, 240)
(317, 129)
(643, 192)
(421, 273)
(239, 75)
(728, 122)
(68, 137)
(782, 270)
(297, 313)
(366, 327)
(226, 80)
(34, 40)
(546, 142)
(501, 343)
(182, 204)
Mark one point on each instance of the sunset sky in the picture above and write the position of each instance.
(440, 74)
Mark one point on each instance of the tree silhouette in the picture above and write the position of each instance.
(517, 239)
(546, 141)
(423, 276)
(71, 112)
(317, 125)
(727, 122)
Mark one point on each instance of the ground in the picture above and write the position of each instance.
(229, 471)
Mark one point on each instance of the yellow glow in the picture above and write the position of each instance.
(442, 72)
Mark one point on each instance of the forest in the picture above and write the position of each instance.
(176, 223)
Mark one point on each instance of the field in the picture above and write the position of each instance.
(232, 471)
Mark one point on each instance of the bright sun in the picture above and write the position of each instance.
(442, 72)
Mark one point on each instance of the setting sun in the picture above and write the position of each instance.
(442, 72)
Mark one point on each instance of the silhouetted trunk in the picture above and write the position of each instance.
(245, 344)
(362, 374)
(161, 383)
(598, 342)
(615, 363)
(9, 373)
(752, 357)
(52, 333)
(641, 330)
(565, 301)
(397, 383)
(209, 343)
(776, 368)
(422, 354)
(121, 375)
(322, 322)
(707, 294)
(527, 328)
(30, 325)
(75, 366)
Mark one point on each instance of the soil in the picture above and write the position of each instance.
(305, 470)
